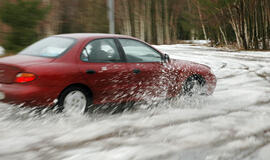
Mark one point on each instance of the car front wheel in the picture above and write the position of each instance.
(194, 85)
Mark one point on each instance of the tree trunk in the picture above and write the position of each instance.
(136, 17)
(201, 20)
(234, 26)
(158, 22)
(148, 20)
(223, 35)
(166, 23)
(242, 23)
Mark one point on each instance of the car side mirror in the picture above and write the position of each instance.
(166, 58)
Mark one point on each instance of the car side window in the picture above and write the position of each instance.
(101, 50)
(139, 52)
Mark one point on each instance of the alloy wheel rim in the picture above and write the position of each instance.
(198, 88)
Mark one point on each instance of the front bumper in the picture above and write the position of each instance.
(211, 81)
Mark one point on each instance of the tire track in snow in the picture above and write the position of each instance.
(263, 136)
(119, 132)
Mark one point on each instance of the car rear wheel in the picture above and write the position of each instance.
(74, 100)
(194, 85)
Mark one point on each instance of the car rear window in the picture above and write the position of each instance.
(49, 47)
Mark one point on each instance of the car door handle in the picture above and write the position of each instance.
(136, 71)
(90, 71)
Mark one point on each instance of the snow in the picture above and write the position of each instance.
(2, 50)
(231, 124)
(201, 42)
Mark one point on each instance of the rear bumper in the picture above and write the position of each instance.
(28, 95)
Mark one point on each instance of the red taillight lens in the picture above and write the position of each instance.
(25, 77)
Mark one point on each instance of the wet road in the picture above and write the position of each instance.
(234, 123)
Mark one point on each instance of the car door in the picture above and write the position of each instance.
(147, 67)
(105, 70)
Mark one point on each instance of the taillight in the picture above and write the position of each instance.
(25, 77)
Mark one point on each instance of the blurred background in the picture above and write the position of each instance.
(242, 24)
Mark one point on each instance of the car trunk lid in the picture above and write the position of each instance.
(12, 65)
(8, 73)
(24, 60)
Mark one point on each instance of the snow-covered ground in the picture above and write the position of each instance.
(201, 42)
(233, 124)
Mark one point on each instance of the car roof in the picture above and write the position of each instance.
(83, 36)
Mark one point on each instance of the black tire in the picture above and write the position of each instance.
(72, 89)
(189, 84)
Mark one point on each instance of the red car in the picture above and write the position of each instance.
(77, 70)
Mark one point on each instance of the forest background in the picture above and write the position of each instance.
(242, 24)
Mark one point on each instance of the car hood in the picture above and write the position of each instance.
(24, 60)
(183, 63)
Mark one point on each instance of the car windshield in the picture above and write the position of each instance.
(49, 47)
